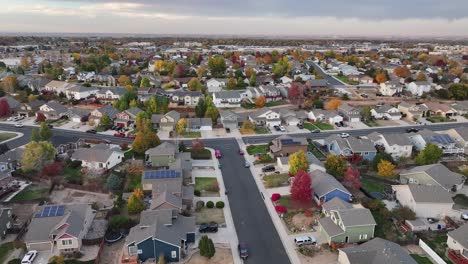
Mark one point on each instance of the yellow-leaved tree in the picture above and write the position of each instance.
(385, 169)
(298, 161)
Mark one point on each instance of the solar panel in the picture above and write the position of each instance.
(45, 211)
(51, 211)
(161, 174)
(60, 210)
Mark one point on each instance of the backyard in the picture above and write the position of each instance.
(5, 136)
(372, 186)
(461, 200)
(276, 180)
(73, 175)
(421, 259)
(32, 192)
(206, 215)
(317, 153)
(207, 186)
(257, 149)
(437, 242)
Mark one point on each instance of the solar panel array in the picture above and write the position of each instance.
(162, 174)
(51, 211)
(443, 139)
(288, 142)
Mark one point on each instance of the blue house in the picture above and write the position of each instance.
(160, 233)
(351, 147)
(326, 187)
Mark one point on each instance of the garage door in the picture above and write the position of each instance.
(40, 246)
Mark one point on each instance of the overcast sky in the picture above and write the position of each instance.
(264, 17)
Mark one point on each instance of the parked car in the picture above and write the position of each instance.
(11, 118)
(282, 129)
(243, 251)
(119, 135)
(211, 227)
(464, 216)
(247, 164)
(305, 240)
(217, 154)
(19, 125)
(50, 126)
(315, 131)
(91, 131)
(277, 128)
(365, 95)
(268, 168)
(300, 125)
(343, 135)
(131, 136)
(411, 130)
(241, 152)
(29, 257)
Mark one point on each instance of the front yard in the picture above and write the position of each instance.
(276, 103)
(262, 130)
(206, 215)
(461, 200)
(371, 123)
(30, 193)
(299, 217)
(257, 149)
(207, 186)
(439, 119)
(318, 125)
(317, 153)
(276, 180)
(421, 259)
(194, 134)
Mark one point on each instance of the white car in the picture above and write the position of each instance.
(246, 164)
(343, 135)
(282, 129)
(19, 125)
(464, 216)
(11, 118)
(29, 257)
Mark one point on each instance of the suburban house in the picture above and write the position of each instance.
(351, 147)
(9, 162)
(350, 113)
(460, 135)
(438, 109)
(227, 99)
(100, 157)
(461, 107)
(166, 122)
(270, 92)
(412, 111)
(433, 174)
(397, 145)
(78, 92)
(286, 80)
(54, 110)
(96, 114)
(326, 187)
(265, 117)
(418, 88)
(390, 88)
(79, 115)
(289, 118)
(442, 140)
(186, 98)
(314, 163)
(316, 86)
(59, 228)
(425, 200)
(30, 108)
(286, 145)
(386, 112)
(230, 119)
(327, 116)
(345, 224)
(158, 234)
(110, 94)
(457, 240)
(57, 87)
(6, 221)
(215, 85)
(162, 155)
(127, 117)
(199, 124)
(375, 251)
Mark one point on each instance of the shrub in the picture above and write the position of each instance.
(119, 221)
(14, 261)
(52, 169)
(275, 197)
(114, 182)
(210, 204)
(199, 205)
(281, 209)
(308, 212)
(197, 193)
(75, 164)
(220, 205)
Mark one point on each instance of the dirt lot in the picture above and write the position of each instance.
(323, 257)
(75, 196)
(303, 222)
(111, 253)
(207, 215)
(222, 256)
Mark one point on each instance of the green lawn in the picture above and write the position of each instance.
(317, 153)
(439, 119)
(6, 136)
(318, 125)
(270, 104)
(276, 180)
(195, 134)
(371, 123)
(262, 130)
(257, 149)
(291, 205)
(421, 259)
(248, 106)
(372, 186)
(73, 176)
(438, 243)
(310, 126)
(345, 79)
(461, 200)
(30, 193)
(206, 184)
(5, 249)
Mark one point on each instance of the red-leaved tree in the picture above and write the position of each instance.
(197, 145)
(234, 59)
(52, 169)
(294, 93)
(40, 117)
(4, 108)
(352, 178)
(301, 189)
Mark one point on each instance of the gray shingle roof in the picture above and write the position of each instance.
(330, 227)
(430, 194)
(336, 204)
(166, 197)
(378, 251)
(323, 183)
(356, 217)
(439, 173)
(460, 235)
(227, 94)
(165, 148)
(59, 108)
(463, 132)
(397, 139)
(97, 153)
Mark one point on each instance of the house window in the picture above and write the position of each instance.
(363, 236)
(173, 254)
(66, 242)
(132, 250)
(366, 153)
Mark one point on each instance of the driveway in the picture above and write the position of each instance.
(42, 257)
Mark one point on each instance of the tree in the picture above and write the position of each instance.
(180, 70)
(146, 138)
(379, 157)
(336, 166)
(206, 247)
(253, 79)
(318, 104)
(181, 126)
(295, 92)
(247, 125)
(145, 82)
(212, 112)
(366, 113)
(231, 84)
(36, 155)
(45, 132)
(124, 80)
(381, 77)
(333, 104)
(200, 108)
(4, 108)
(301, 188)
(113, 182)
(281, 67)
(195, 85)
(352, 178)
(10, 83)
(35, 135)
(161, 259)
(458, 91)
(135, 202)
(403, 213)
(106, 121)
(197, 145)
(52, 169)
(298, 161)
(40, 117)
(152, 105)
(240, 82)
(421, 77)
(385, 169)
(402, 72)
(429, 155)
(260, 101)
(217, 65)
(133, 103)
(201, 71)
(249, 71)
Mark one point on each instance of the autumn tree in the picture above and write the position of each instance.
(152, 105)
(385, 169)
(145, 82)
(260, 101)
(195, 85)
(336, 166)
(146, 137)
(421, 77)
(253, 79)
(403, 213)
(249, 71)
(124, 80)
(352, 178)
(301, 188)
(201, 71)
(36, 155)
(402, 72)
(212, 112)
(10, 83)
(366, 113)
(298, 161)
(197, 145)
(294, 93)
(45, 132)
(429, 155)
(247, 125)
(105, 121)
(180, 70)
(181, 126)
(333, 104)
(40, 117)
(4, 108)
(281, 67)
(381, 77)
(135, 202)
(217, 65)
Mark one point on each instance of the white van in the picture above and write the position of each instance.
(305, 240)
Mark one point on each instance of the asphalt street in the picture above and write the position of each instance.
(325, 75)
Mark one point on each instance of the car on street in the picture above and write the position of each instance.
(268, 168)
(217, 154)
(119, 135)
(247, 164)
(19, 125)
(343, 135)
(241, 152)
(29, 257)
(91, 131)
(11, 118)
(243, 251)
(365, 95)
(315, 131)
(412, 130)
(282, 129)
(464, 216)
(131, 136)
(431, 220)
(277, 128)
(211, 227)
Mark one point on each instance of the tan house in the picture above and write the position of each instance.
(166, 122)
(460, 135)
(285, 145)
(438, 109)
(457, 240)
(433, 174)
(412, 111)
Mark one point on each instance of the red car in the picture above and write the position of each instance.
(241, 152)
(131, 136)
(119, 135)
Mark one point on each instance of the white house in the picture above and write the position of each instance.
(57, 86)
(100, 157)
(426, 201)
(78, 92)
(215, 85)
(387, 112)
(304, 77)
(286, 80)
(265, 117)
(397, 145)
(390, 88)
(187, 98)
(457, 240)
(227, 99)
(418, 88)
(328, 116)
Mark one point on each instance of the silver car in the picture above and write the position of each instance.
(246, 164)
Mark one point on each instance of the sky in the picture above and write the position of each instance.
(412, 18)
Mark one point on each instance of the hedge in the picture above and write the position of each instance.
(210, 204)
(220, 205)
